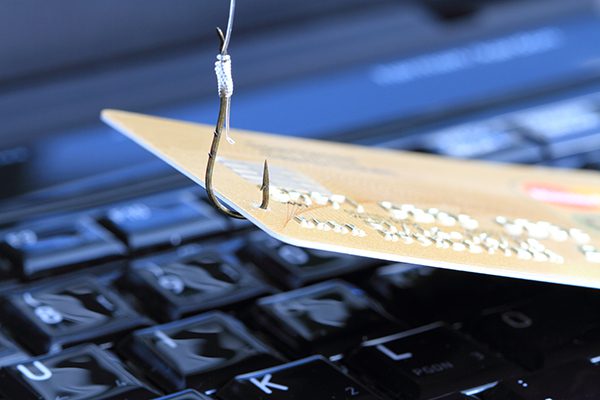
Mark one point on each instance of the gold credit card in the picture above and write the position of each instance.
(518, 221)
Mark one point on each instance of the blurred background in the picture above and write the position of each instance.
(504, 80)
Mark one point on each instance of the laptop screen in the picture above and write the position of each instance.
(41, 37)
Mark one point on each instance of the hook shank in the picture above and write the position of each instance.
(212, 158)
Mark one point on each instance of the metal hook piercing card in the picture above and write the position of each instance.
(524, 222)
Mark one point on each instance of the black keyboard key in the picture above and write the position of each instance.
(426, 362)
(48, 247)
(474, 140)
(554, 122)
(593, 166)
(79, 373)
(48, 317)
(592, 160)
(295, 266)
(328, 317)
(568, 128)
(202, 352)
(10, 352)
(166, 219)
(526, 153)
(574, 146)
(189, 394)
(7, 271)
(190, 281)
(577, 380)
(423, 295)
(576, 161)
(548, 330)
(312, 378)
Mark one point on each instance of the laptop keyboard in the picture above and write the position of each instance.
(160, 297)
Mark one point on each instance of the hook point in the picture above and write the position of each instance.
(264, 188)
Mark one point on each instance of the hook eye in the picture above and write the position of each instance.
(221, 36)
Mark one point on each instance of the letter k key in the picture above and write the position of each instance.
(266, 385)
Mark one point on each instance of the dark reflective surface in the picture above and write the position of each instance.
(578, 380)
